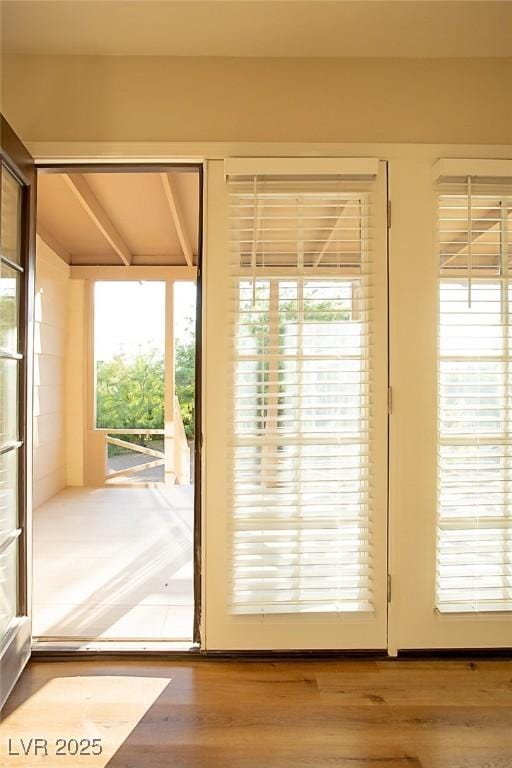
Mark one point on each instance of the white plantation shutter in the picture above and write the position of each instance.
(301, 518)
(474, 560)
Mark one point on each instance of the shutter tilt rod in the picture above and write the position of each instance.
(470, 241)
(256, 225)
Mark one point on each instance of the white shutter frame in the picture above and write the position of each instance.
(245, 167)
(223, 628)
(458, 169)
(474, 527)
(301, 472)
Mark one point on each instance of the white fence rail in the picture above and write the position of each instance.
(175, 458)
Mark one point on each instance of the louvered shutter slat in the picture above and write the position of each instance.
(474, 560)
(300, 471)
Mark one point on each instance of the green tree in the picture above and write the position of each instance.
(257, 321)
(130, 392)
(185, 384)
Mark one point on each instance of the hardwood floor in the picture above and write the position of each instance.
(254, 714)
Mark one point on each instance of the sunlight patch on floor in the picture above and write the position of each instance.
(103, 707)
(115, 563)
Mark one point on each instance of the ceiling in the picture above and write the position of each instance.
(267, 28)
(120, 218)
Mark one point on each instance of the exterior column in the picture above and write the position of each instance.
(169, 426)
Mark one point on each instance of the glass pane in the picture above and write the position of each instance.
(310, 224)
(474, 542)
(478, 220)
(8, 491)
(10, 228)
(8, 400)
(300, 479)
(470, 319)
(9, 280)
(8, 586)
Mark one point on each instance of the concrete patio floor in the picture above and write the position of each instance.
(114, 563)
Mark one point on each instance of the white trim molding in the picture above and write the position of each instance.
(300, 166)
(447, 169)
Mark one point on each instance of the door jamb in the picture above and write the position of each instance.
(132, 166)
(15, 647)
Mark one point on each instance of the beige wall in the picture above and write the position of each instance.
(226, 99)
(50, 347)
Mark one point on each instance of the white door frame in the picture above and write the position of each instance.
(412, 469)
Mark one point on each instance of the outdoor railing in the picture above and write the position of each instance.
(175, 458)
(127, 472)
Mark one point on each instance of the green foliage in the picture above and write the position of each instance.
(185, 384)
(130, 391)
(271, 331)
(315, 310)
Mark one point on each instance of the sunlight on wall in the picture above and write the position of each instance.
(50, 336)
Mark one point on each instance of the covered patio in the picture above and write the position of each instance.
(113, 505)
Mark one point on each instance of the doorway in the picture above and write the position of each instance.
(115, 497)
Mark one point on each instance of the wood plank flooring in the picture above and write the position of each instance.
(258, 714)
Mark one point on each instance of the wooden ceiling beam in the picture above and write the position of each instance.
(53, 243)
(173, 201)
(87, 199)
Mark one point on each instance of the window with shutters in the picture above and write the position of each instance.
(474, 560)
(300, 474)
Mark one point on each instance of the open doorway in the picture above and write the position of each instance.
(115, 509)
